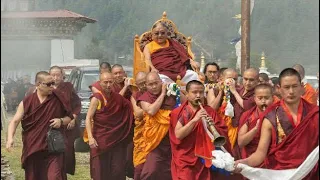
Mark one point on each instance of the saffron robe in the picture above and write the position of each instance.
(112, 129)
(171, 61)
(185, 163)
(310, 94)
(72, 134)
(35, 126)
(157, 145)
(292, 143)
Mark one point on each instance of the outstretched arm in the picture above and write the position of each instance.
(91, 111)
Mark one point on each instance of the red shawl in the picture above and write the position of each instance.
(250, 118)
(70, 93)
(113, 123)
(115, 88)
(35, 122)
(171, 61)
(167, 104)
(185, 153)
(298, 144)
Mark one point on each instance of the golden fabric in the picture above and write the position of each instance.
(85, 133)
(310, 94)
(155, 129)
(232, 131)
(139, 156)
(153, 46)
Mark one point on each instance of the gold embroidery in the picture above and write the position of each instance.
(281, 134)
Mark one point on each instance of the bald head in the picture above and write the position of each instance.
(141, 81)
(230, 73)
(105, 75)
(141, 75)
(152, 76)
(40, 76)
(253, 71)
(300, 69)
(250, 79)
(154, 83)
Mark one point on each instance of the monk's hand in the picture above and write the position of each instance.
(9, 144)
(153, 69)
(93, 143)
(71, 124)
(164, 88)
(55, 123)
(194, 65)
(236, 168)
(200, 114)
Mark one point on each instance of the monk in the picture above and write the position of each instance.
(250, 123)
(104, 67)
(38, 112)
(189, 140)
(109, 123)
(157, 107)
(121, 85)
(309, 93)
(71, 130)
(290, 129)
(168, 57)
(263, 78)
(139, 156)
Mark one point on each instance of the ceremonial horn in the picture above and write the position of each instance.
(218, 140)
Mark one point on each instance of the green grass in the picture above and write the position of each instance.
(14, 157)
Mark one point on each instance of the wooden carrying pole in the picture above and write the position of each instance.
(245, 35)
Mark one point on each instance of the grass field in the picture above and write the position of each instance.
(14, 157)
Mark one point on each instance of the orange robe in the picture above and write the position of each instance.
(157, 150)
(310, 94)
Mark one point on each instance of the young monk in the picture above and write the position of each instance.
(168, 57)
(290, 129)
(250, 123)
(109, 123)
(189, 139)
(38, 112)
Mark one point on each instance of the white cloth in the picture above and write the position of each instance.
(189, 76)
(288, 174)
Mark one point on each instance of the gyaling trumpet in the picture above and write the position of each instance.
(219, 140)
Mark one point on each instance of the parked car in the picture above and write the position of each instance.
(82, 78)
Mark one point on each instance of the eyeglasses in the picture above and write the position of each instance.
(48, 84)
(162, 33)
(212, 72)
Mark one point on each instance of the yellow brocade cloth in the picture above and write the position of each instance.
(232, 131)
(155, 129)
(139, 156)
(153, 46)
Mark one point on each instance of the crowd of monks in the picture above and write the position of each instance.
(145, 133)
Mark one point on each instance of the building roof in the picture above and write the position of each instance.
(45, 14)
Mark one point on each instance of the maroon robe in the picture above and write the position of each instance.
(72, 134)
(171, 61)
(299, 141)
(129, 162)
(248, 103)
(157, 165)
(112, 129)
(185, 164)
(36, 160)
(250, 118)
